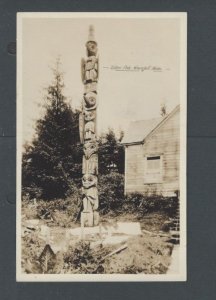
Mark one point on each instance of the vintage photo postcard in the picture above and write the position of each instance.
(101, 146)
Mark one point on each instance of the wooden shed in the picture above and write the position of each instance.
(152, 155)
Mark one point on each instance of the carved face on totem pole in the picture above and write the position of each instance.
(89, 69)
(89, 181)
(90, 87)
(91, 48)
(90, 101)
(90, 148)
(89, 115)
(90, 130)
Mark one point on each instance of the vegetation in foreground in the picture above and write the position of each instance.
(149, 253)
(146, 254)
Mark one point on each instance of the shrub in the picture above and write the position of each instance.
(62, 211)
(31, 192)
(111, 198)
(111, 192)
(145, 203)
(81, 258)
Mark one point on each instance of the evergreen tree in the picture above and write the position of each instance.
(111, 153)
(53, 162)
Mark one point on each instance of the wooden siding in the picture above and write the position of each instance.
(164, 141)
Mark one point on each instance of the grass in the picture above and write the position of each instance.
(147, 254)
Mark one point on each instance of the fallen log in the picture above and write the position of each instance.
(123, 247)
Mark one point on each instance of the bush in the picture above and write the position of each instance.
(144, 203)
(84, 260)
(61, 211)
(112, 199)
(111, 192)
(31, 192)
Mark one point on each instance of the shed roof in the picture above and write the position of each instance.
(139, 130)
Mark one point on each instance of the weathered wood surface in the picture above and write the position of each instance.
(88, 133)
(164, 141)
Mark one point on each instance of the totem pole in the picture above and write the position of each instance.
(88, 133)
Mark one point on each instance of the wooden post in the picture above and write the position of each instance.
(88, 133)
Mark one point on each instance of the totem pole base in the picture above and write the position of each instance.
(87, 219)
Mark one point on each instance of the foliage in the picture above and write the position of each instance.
(144, 254)
(144, 203)
(63, 212)
(112, 198)
(111, 192)
(32, 246)
(53, 160)
(111, 153)
(32, 191)
(82, 259)
(47, 259)
(34, 260)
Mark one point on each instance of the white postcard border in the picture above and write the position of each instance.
(183, 146)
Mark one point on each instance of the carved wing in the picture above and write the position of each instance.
(83, 69)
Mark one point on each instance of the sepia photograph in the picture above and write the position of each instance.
(101, 146)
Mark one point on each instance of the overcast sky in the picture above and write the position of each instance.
(124, 96)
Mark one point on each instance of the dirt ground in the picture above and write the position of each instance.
(149, 253)
(144, 254)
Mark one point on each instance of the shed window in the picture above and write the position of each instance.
(153, 169)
